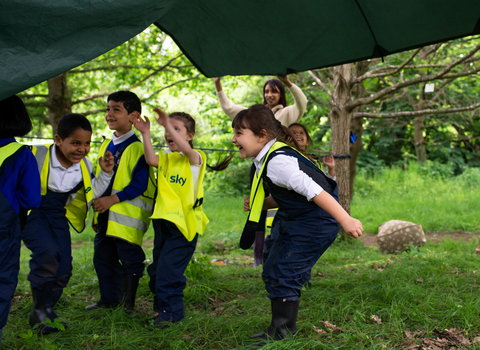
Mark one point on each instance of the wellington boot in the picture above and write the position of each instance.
(129, 291)
(284, 321)
(42, 309)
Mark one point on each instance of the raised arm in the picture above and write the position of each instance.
(144, 127)
(181, 143)
(292, 114)
(227, 106)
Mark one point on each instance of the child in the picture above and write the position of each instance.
(303, 140)
(67, 190)
(308, 199)
(123, 210)
(178, 216)
(301, 135)
(274, 98)
(19, 192)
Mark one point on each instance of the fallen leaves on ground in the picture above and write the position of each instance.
(445, 340)
(331, 328)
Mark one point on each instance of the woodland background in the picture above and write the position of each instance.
(419, 106)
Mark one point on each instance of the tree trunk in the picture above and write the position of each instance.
(355, 148)
(340, 123)
(357, 124)
(419, 139)
(59, 100)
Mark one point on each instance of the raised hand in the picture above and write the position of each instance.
(162, 117)
(284, 80)
(106, 162)
(218, 83)
(141, 125)
(329, 161)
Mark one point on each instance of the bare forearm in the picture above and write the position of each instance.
(325, 201)
(150, 157)
(218, 85)
(351, 226)
(269, 203)
(183, 145)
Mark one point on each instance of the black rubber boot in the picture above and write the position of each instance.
(42, 308)
(284, 321)
(129, 291)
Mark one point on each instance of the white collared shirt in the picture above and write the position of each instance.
(64, 180)
(117, 140)
(283, 170)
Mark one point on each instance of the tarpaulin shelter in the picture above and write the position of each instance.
(40, 39)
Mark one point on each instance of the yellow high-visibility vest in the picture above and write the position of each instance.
(175, 198)
(129, 220)
(8, 150)
(77, 210)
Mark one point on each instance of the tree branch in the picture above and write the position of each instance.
(396, 69)
(319, 82)
(414, 113)
(366, 100)
(169, 86)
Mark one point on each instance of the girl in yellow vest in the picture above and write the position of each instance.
(178, 216)
(68, 189)
(312, 213)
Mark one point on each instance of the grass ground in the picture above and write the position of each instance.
(422, 299)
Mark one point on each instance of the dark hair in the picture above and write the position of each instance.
(258, 118)
(130, 101)
(276, 85)
(187, 120)
(71, 122)
(309, 139)
(14, 119)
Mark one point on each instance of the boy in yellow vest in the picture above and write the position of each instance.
(124, 210)
(67, 190)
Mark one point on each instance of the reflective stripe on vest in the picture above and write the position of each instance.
(77, 209)
(270, 216)
(129, 220)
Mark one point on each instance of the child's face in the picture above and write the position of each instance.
(73, 148)
(179, 126)
(248, 144)
(118, 118)
(300, 136)
(272, 96)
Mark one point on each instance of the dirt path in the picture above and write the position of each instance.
(369, 239)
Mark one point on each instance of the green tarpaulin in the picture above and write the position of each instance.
(40, 39)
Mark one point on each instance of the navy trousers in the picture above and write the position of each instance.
(171, 254)
(47, 235)
(114, 257)
(300, 243)
(9, 256)
(270, 239)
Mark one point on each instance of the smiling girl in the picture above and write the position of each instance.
(67, 189)
(312, 213)
(178, 218)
